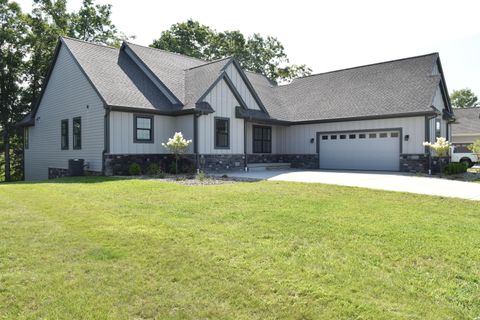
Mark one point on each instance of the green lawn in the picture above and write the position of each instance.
(96, 248)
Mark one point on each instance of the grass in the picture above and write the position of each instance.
(97, 248)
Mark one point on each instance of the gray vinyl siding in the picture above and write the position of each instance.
(223, 102)
(122, 134)
(465, 138)
(278, 138)
(297, 138)
(439, 104)
(241, 87)
(184, 124)
(67, 95)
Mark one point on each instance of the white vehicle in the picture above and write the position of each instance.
(463, 155)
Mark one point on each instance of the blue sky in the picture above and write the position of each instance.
(328, 35)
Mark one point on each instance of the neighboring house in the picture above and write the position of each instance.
(466, 128)
(114, 106)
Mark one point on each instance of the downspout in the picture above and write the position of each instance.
(195, 140)
(106, 137)
(245, 160)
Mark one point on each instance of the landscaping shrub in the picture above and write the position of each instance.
(153, 169)
(134, 169)
(173, 168)
(455, 168)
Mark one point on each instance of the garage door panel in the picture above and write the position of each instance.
(374, 152)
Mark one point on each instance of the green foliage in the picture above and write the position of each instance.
(178, 145)
(455, 168)
(173, 167)
(201, 176)
(104, 248)
(27, 43)
(153, 169)
(265, 55)
(463, 98)
(475, 147)
(134, 169)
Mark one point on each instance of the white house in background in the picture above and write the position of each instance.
(466, 128)
(114, 106)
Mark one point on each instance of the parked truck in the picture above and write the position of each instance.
(463, 155)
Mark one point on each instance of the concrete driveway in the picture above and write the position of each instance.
(374, 180)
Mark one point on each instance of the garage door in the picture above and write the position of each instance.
(375, 150)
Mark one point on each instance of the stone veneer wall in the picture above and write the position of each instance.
(413, 162)
(54, 173)
(118, 164)
(420, 163)
(301, 161)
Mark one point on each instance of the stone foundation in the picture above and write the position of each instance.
(414, 163)
(55, 173)
(301, 161)
(221, 162)
(119, 164)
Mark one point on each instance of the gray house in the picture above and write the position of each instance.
(466, 128)
(114, 106)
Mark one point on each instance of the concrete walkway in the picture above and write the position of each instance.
(374, 180)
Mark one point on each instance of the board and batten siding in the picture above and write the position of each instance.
(184, 124)
(67, 95)
(241, 87)
(122, 134)
(278, 138)
(297, 137)
(224, 103)
(439, 104)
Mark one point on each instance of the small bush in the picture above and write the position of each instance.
(455, 168)
(161, 174)
(153, 169)
(173, 168)
(201, 176)
(134, 169)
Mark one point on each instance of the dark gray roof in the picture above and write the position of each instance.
(467, 121)
(404, 86)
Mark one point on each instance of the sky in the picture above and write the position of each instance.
(327, 35)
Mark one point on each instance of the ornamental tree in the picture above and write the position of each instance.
(178, 145)
(440, 147)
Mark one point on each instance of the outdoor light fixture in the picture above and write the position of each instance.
(407, 137)
(312, 140)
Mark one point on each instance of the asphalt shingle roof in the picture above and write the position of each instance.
(467, 121)
(394, 87)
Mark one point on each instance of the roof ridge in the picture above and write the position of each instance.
(88, 42)
(363, 66)
(208, 63)
(165, 51)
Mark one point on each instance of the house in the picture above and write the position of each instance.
(466, 128)
(115, 106)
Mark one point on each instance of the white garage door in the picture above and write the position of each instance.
(375, 150)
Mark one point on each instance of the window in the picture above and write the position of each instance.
(352, 136)
(383, 135)
(394, 135)
(64, 135)
(461, 149)
(362, 136)
(26, 138)
(372, 135)
(143, 126)
(324, 137)
(222, 133)
(343, 136)
(438, 128)
(77, 133)
(262, 139)
(333, 137)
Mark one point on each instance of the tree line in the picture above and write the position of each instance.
(28, 40)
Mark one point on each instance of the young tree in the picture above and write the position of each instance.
(463, 98)
(178, 145)
(255, 53)
(12, 55)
